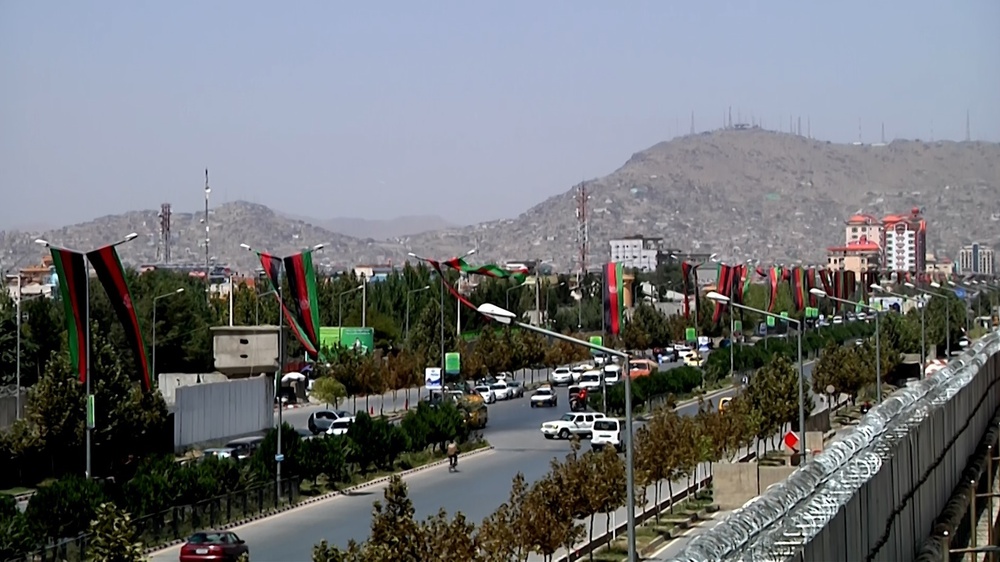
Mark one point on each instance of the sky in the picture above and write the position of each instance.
(469, 110)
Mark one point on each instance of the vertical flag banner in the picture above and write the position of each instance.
(774, 278)
(614, 295)
(110, 273)
(71, 270)
(810, 285)
(304, 301)
(686, 282)
(797, 284)
(725, 286)
(272, 267)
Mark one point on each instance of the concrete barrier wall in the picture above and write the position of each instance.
(8, 408)
(893, 511)
(734, 484)
(168, 383)
(214, 411)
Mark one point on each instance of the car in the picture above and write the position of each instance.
(694, 360)
(245, 446)
(487, 393)
(340, 426)
(561, 376)
(544, 396)
(501, 390)
(219, 452)
(607, 433)
(571, 423)
(579, 370)
(516, 389)
(321, 420)
(591, 380)
(205, 546)
(612, 374)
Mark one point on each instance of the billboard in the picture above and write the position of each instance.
(432, 378)
(452, 363)
(360, 339)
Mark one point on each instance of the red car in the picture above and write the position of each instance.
(213, 546)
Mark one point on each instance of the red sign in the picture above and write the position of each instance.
(791, 441)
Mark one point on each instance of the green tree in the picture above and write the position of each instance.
(329, 390)
(500, 535)
(113, 537)
(609, 492)
(65, 507)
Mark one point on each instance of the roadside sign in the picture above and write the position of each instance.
(279, 458)
(792, 441)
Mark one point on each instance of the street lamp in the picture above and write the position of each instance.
(278, 457)
(947, 311)
(508, 318)
(20, 319)
(967, 300)
(408, 293)
(718, 297)
(548, 295)
(522, 285)
(155, 300)
(88, 426)
(441, 280)
(923, 322)
(878, 343)
(340, 304)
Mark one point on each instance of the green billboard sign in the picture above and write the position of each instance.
(770, 321)
(452, 363)
(691, 334)
(359, 339)
(737, 326)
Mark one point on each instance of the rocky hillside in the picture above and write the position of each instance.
(756, 193)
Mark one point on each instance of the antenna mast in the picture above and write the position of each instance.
(582, 233)
(968, 127)
(692, 122)
(208, 191)
(164, 253)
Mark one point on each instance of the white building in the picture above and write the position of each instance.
(976, 259)
(637, 252)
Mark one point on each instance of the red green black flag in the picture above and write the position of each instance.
(305, 303)
(111, 274)
(724, 285)
(613, 296)
(71, 270)
(272, 268)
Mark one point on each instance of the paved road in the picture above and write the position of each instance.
(482, 483)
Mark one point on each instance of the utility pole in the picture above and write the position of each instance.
(208, 280)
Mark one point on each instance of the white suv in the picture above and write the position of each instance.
(591, 380)
(607, 433)
(561, 375)
(571, 423)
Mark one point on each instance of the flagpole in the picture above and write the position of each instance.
(89, 414)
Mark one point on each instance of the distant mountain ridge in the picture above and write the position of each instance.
(379, 229)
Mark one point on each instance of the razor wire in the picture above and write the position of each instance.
(778, 523)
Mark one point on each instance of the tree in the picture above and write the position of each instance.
(329, 390)
(65, 507)
(774, 394)
(113, 537)
(548, 523)
(610, 490)
(500, 535)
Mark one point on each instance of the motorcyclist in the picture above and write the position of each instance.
(452, 454)
(582, 397)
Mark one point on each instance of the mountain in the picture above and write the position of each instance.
(231, 224)
(753, 194)
(379, 229)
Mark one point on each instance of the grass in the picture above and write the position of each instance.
(646, 534)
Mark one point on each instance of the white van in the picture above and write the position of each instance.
(607, 432)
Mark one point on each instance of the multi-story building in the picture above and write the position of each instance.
(859, 256)
(637, 252)
(976, 259)
(862, 226)
(904, 243)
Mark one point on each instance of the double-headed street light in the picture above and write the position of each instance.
(947, 311)
(953, 287)
(520, 286)
(442, 281)
(719, 297)
(279, 457)
(923, 320)
(155, 300)
(406, 336)
(508, 318)
(88, 423)
(878, 343)
(548, 295)
(340, 303)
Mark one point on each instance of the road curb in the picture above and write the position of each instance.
(329, 495)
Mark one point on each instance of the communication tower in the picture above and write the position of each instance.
(582, 234)
(164, 249)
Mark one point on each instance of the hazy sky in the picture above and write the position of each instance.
(378, 109)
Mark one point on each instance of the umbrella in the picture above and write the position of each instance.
(293, 376)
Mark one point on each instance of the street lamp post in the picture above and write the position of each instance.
(279, 457)
(20, 319)
(88, 426)
(155, 300)
(509, 318)
(442, 281)
(718, 297)
(947, 312)
(511, 289)
(923, 322)
(548, 295)
(406, 335)
(878, 340)
(340, 304)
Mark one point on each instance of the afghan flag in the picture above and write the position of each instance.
(489, 270)
(810, 285)
(774, 278)
(272, 268)
(686, 282)
(304, 302)
(614, 294)
(725, 286)
(71, 270)
(797, 285)
(111, 274)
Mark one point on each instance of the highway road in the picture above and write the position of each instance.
(482, 484)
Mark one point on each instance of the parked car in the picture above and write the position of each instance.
(607, 433)
(516, 389)
(321, 421)
(561, 376)
(487, 393)
(571, 423)
(544, 396)
(213, 546)
(501, 389)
